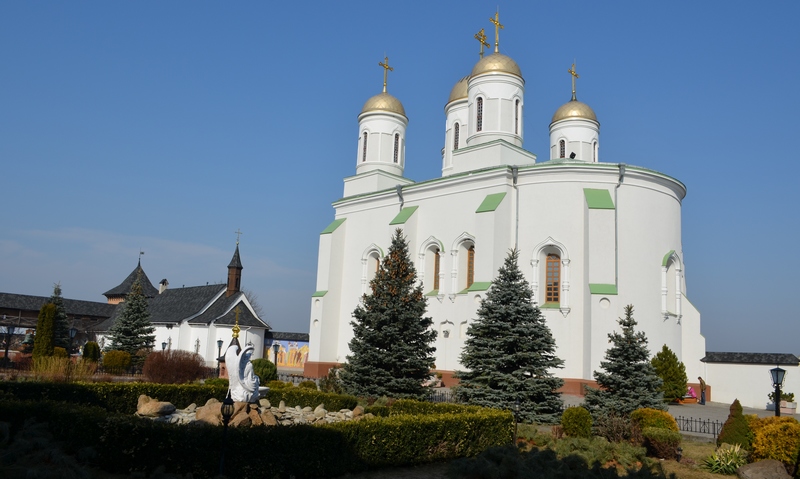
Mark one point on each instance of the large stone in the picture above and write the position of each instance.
(150, 407)
(767, 469)
(255, 416)
(358, 411)
(268, 418)
(210, 413)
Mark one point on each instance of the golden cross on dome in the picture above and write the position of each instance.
(236, 327)
(238, 233)
(497, 27)
(386, 68)
(574, 76)
(481, 37)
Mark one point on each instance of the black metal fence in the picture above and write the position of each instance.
(699, 426)
(441, 395)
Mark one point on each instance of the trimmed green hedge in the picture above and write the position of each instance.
(294, 396)
(125, 444)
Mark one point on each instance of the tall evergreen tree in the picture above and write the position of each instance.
(61, 321)
(43, 340)
(510, 351)
(628, 380)
(133, 331)
(672, 373)
(391, 352)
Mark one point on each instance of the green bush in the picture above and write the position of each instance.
(278, 385)
(331, 382)
(577, 422)
(661, 443)
(736, 429)
(91, 351)
(726, 460)
(173, 366)
(220, 382)
(647, 417)
(615, 428)
(596, 451)
(788, 397)
(777, 438)
(59, 352)
(308, 385)
(265, 370)
(116, 361)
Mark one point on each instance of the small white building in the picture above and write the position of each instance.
(593, 236)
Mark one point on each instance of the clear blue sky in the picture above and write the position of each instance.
(166, 126)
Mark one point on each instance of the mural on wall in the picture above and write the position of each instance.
(291, 354)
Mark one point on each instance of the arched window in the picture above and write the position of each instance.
(553, 279)
(516, 117)
(470, 266)
(479, 119)
(594, 151)
(455, 137)
(364, 148)
(562, 148)
(396, 145)
(436, 266)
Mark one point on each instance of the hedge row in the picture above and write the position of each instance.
(123, 397)
(125, 444)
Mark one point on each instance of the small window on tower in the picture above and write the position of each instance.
(436, 266)
(479, 119)
(562, 146)
(455, 137)
(396, 145)
(516, 118)
(470, 266)
(364, 147)
(553, 279)
(594, 152)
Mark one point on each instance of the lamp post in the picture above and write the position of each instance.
(72, 333)
(777, 381)
(227, 411)
(219, 354)
(9, 334)
(516, 421)
(164, 345)
(275, 348)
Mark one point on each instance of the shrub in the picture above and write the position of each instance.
(59, 352)
(726, 460)
(173, 366)
(91, 351)
(265, 370)
(777, 438)
(278, 385)
(646, 417)
(662, 443)
(788, 397)
(220, 382)
(50, 368)
(308, 385)
(331, 382)
(577, 422)
(615, 428)
(116, 361)
(736, 429)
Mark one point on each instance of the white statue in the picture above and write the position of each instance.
(243, 382)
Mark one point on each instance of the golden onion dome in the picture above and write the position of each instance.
(496, 62)
(459, 91)
(574, 109)
(384, 102)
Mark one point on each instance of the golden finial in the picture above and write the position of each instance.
(238, 233)
(481, 37)
(386, 68)
(497, 27)
(236, 327)
(574, 76)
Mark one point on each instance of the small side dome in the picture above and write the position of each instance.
(459, 91)
(574, 109)
(496, 62)
(385, 102)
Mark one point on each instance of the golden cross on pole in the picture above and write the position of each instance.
(236, 327)
(386, 68)
(481, 37)
(238, 233)
(497, 27)
(574, 76)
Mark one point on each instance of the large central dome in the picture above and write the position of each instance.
(496, 62)
(384, 102)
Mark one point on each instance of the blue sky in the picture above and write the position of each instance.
(167, 126)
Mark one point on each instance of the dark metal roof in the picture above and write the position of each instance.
(752, 358)
(124, 288)
(280, 336)
(74, 307)
(235, 261)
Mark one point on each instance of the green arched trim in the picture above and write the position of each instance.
(666, 257)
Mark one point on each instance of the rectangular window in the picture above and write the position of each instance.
(553, 279)
(436, 269)
(470, 266)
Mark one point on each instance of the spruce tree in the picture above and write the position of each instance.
(61, 322)
(672, 372)
(43, 340)
(628, 380)
(132, 331)
(510, 351)
(391, 352)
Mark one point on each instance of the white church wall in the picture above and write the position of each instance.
(693, 344)
(749, 383)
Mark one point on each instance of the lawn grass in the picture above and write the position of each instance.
(694, 453)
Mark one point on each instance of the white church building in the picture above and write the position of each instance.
(593, 236)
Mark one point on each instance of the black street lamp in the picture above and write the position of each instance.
(9, 335)
(777, 381)
(164, 345)
(275, 348)
(516, 421)
(219, 354)
(72, 333)
(227, 411)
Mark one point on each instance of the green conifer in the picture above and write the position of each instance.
(628, 380)
(510, 351)
(43, 340)
(391, 353)
(61, 321)
(672, 372)
(133, 331)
